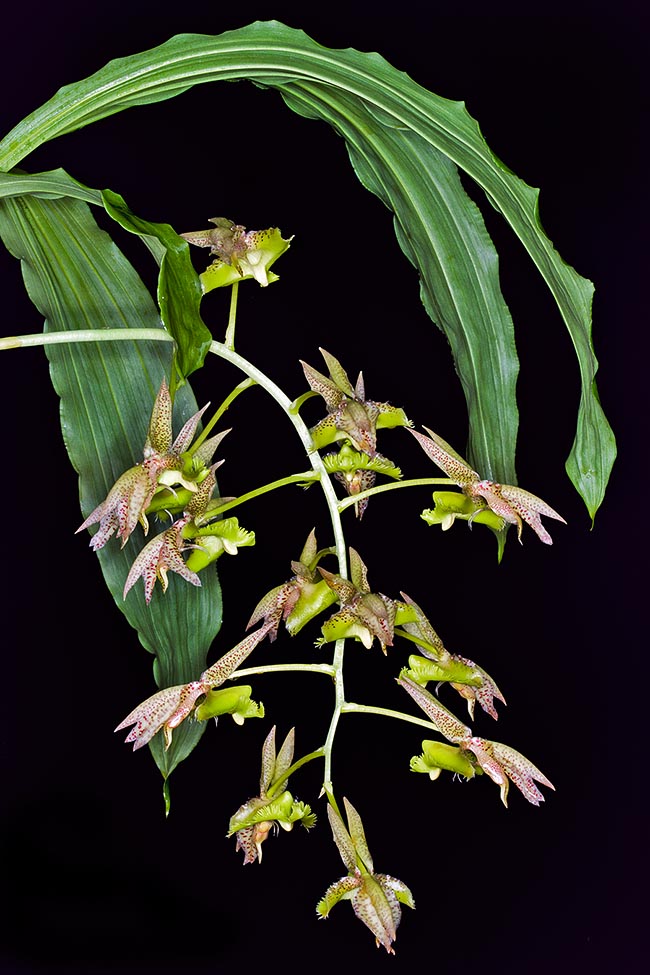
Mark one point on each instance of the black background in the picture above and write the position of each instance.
(96, 880)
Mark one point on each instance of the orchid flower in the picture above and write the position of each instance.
(499, 762)
(364, 615)
(254, 820)
(160, 556)
(357, 472)
(168, 708)
(240, 254)
(375, 897)
(508, 502)
(351, 416)
(466, 677)
(162, 465)
(301, 598)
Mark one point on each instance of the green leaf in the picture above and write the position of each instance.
(380, 110)
(179, 288)
(52, 185)
(78, 279)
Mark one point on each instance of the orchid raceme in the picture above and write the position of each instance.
(375, 897)
(508, 502)
(168, 708)
(501, 763)
(240, 254)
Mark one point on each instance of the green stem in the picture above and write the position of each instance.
(271, 486)
(85, 335)
(283, 668)
(246, 384)
(349, 708)
(332, 504)
(218, 349)
(232, 317)
(415, 482)
(293, 768)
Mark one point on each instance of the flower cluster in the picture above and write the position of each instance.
(436, 663)
(299, 599)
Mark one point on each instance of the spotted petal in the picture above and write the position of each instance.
(167, 708)
(445, 722)
(160, 556)
(446, 458)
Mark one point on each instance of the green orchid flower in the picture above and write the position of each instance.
(240, 254)
(499, 762)
(351, 416)
(357, 472)
(297, 601)
(165, 464)
(255, 819)
(436, 663)
(169, 707)
(364, 615)
(375, 897)
(512, 504)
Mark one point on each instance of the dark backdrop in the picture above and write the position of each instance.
(97, 880)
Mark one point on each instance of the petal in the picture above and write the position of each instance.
(443, 720)
(402, 892)
(446, 458)
(341, 889)
(357, 834)
(223, 668)
(371, 906)
(339, 376)
(342, 839)
(358, 571)
(186, 435)
(149, 716)
(159, 437)
(358, 422)
(320, 384)
(522, 772)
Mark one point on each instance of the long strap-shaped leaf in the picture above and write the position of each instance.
(107, 391)
(274, 55)
(459, 280)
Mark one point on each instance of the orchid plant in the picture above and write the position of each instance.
(151, 499)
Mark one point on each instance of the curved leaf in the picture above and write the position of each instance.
(106, 399)
(277, 56)
(179, 288)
